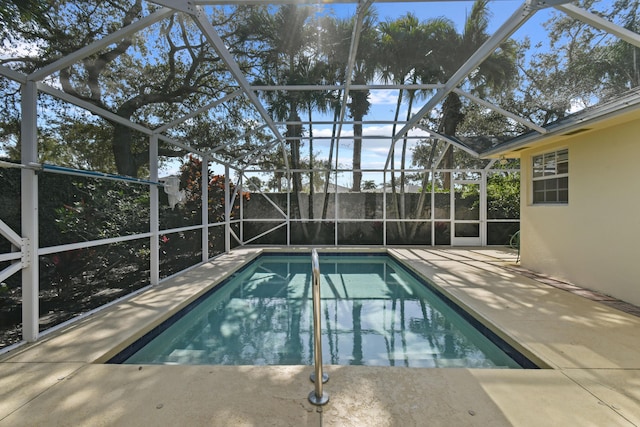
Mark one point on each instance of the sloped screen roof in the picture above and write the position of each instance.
(246, 81)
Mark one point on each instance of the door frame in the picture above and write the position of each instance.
(481, 239)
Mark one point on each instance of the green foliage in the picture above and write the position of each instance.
(580, 67)
(503, 195)
(21, 14)
(77, 209)
(103, 209)
(191, 183)
(10, 201)
(438, 188)
(163, 72)
(167, 70)
(183, 249)
(480, 121)
(369, 185)
(254, 183)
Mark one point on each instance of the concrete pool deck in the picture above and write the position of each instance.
(592, 351)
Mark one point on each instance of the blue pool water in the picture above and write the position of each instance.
(374, 312)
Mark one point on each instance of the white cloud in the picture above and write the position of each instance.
(383, 97)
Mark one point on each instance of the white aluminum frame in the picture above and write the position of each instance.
(28, 244)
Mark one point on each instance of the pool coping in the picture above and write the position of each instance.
(592, 349)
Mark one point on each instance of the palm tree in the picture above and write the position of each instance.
(336, 46)
(369, 185)
(312, 71)
(495, 74)
(404, 48)
(285, 37)
(363, 72)
(336, 34)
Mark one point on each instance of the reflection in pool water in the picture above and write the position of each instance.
(374, 313)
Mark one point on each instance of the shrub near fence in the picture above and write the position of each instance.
(75, 209)
(10, 289)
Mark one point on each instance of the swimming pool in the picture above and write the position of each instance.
(374, 312)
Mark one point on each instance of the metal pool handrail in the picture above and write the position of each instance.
(317, 396)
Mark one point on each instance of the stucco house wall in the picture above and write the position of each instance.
(594, 240)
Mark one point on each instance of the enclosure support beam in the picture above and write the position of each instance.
(353, 50)
(227, 210)
(313, 87)
(483, 211)
(252, 187)
(92, 108)
(96, 46)
(201, 110)
(600, 23)
(241, 212)
(154, 212)
(218, 44)
(384, 208)
(439, 159)
(29, 201)
(10, 235)
(449, 140)
(501, 111)
(16, 76)
(205, 208)
(289, 207)
(432, 174)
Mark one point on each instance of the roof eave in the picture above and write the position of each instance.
(623, 105)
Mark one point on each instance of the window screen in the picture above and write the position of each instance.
(551, 177)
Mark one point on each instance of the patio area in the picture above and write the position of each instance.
(590, 348)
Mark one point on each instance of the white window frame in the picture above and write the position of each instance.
(552, 169)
